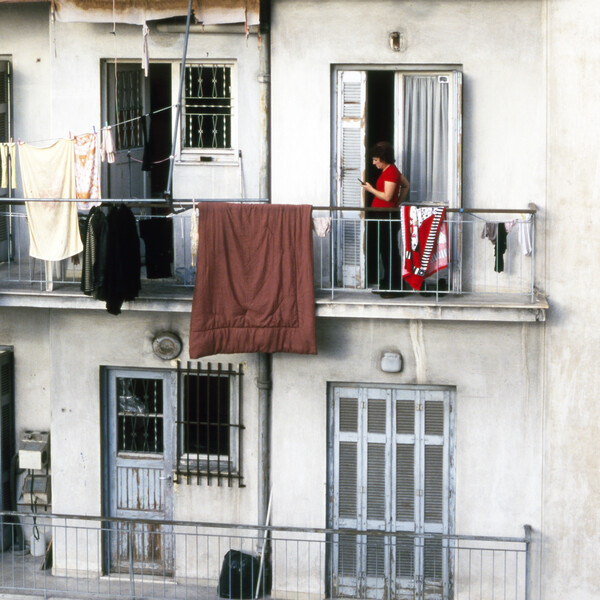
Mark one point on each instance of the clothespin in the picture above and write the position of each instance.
(94, 128)
(19, 141)
(70, 136)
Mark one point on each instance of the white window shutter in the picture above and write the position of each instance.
(455, 141)
(350, 165)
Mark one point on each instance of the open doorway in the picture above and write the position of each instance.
(419, 112)
(128, 96)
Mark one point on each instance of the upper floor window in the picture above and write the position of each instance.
(208, 121)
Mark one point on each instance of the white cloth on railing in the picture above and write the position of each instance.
(322, 226)
(8, 150)
(525, 231)
(53, 226)
(524, 228)
(107, 146)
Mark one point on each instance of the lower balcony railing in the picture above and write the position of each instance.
(479, 253)
(81, 557)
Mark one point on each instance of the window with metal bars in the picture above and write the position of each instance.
(208, 107)
(140, 415)
(129, 109)
(209, 424)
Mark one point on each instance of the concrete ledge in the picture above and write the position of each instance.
(360, 305)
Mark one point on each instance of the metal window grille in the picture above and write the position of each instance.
(129, 109)
(209, 424)
(140, 415)
(208, 107)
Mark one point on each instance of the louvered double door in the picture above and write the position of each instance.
(390, 468)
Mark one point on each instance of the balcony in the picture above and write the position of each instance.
(347, 269)
(101, 557)
(475, 285)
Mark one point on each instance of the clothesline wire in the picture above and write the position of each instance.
(155, 162)
(117, 124)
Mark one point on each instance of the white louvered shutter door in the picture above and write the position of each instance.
(377, 485)
(346, 487)
(406, 475)
(350, 166)
(435, 485)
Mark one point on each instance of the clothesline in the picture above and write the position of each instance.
(117, 124)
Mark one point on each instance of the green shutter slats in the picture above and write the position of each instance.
(405, 482)
(432, 560)
(405, 416)
(376, 497)
(347, 555)
(347, 475)
(434, 484)
(375, 556)
(434, 418)
(349, 414)
(376, 415)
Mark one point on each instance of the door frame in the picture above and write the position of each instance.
(450, 505)
(108, 457)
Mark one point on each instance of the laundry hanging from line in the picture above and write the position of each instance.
(53, 226)
(8, 163)
(497, 233)
(425, 243)
(87, 171)
(254, 287)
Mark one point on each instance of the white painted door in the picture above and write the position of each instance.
(139, 482)
(390, 471)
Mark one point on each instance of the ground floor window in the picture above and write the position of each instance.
(209, 425)
(390, 476)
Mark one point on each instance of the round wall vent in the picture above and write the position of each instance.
(167, 345)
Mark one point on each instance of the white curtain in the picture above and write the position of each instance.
(426, 137)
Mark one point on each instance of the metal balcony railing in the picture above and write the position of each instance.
(83, 557)
(353, 252)
(364, 250)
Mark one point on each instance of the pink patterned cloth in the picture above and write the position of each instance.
(87, 181)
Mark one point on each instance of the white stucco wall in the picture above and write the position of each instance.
(499, 47)
(58, 356)
(525, 394)
(494, 372)
(571, 460)
(66, 58)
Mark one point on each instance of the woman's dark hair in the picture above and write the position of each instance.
(384, 151)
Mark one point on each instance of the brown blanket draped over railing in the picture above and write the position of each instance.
(254, 280)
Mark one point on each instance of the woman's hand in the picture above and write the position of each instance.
(368, 188)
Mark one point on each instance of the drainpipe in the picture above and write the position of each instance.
(265, 383)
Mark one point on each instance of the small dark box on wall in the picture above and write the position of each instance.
(240, 574)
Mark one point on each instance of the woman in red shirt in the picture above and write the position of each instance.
(392, 189)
